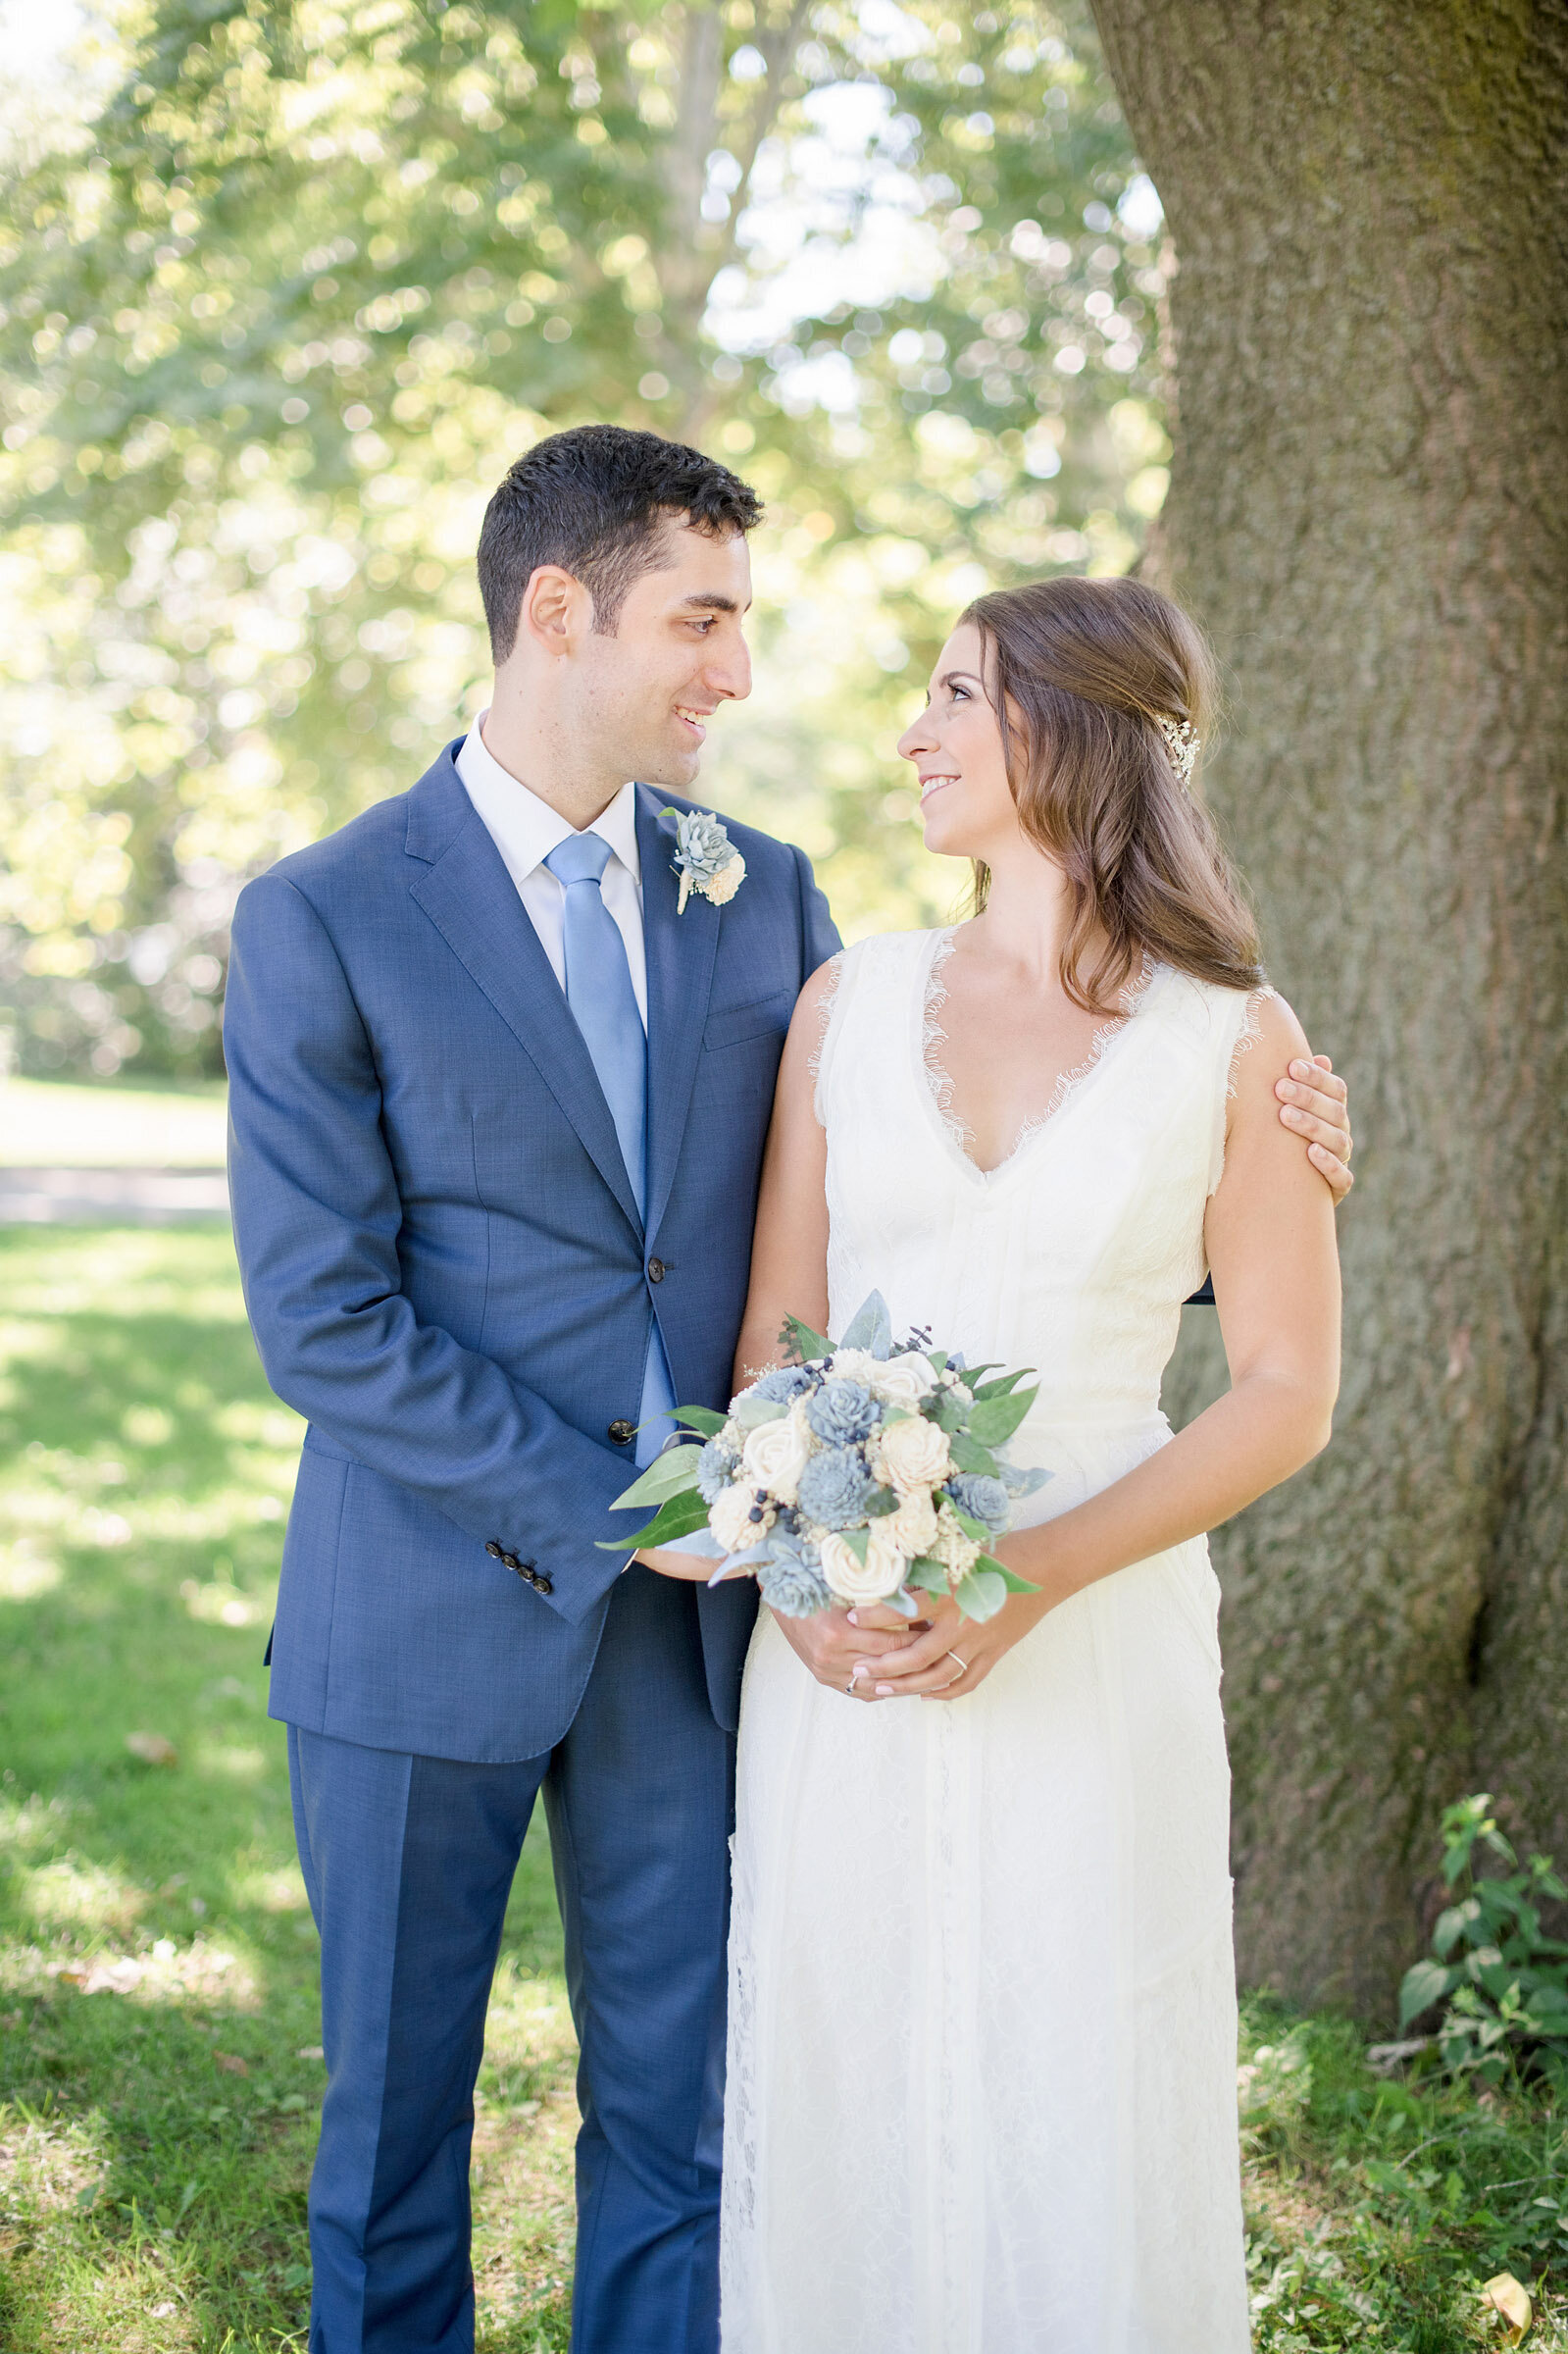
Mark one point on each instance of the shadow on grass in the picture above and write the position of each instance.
(159, 2014)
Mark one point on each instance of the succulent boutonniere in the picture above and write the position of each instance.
(705, 859)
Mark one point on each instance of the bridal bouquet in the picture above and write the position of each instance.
(864, 1472)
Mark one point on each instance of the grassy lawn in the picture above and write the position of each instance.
(158, 1989)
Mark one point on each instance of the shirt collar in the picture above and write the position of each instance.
(525, 828)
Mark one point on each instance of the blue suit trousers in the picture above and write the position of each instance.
(409, 1860)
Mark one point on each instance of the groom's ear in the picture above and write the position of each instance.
(556, 613)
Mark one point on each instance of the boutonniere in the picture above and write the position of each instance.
(705, 859)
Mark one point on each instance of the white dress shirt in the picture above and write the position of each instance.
(526, 830)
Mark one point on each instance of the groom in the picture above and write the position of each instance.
(498, 1104)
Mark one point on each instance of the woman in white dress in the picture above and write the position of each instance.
(982, 2076)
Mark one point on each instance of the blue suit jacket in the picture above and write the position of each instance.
(443, 1263)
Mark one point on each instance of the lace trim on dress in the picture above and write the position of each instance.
(835, 967)
(932, 1036)
(1248, 1035)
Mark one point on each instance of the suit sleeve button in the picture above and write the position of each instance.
(493, 1550)
(656, 1270)
(622, 1431)
(509, 1561)
(543, 1585)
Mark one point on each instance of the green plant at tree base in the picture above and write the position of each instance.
(1502, 1980)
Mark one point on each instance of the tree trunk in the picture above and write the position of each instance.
(1368, 508)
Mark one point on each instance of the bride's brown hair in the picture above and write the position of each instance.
(1081, 673)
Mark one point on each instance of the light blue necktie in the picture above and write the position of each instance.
(604, 1007)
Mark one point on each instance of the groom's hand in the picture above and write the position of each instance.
(1314, 1105)
(833, 1647)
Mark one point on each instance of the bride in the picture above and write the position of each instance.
(982, 2075)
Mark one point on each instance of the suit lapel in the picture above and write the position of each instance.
(680, 952)
(472, 901)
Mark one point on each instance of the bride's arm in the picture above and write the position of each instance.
(789, 1250)
(1270, 1238)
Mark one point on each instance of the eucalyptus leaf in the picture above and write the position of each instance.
(981, 1594)
(701, 1417)
(926, 1575)
(903, 1602)
(970, 1455)
(880, 1503)
(677, 1518)
(800, 1339)
(857, 1540)
(976, 1530)
(1009, 1577)
(751, 1412)
(871, 1328)
(993, 1419)
(669, 1474)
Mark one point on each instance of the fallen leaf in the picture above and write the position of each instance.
(1503, 2293)
(310, 2051)
(152, 1749)
(231, 2063)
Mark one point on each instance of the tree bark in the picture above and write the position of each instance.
(1369, 509)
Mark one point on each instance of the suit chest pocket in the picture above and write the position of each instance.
(762, 1021)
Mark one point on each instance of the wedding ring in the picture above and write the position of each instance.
(962, 1666)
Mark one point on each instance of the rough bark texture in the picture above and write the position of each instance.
(1369, 509)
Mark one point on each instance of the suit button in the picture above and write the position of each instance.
(623, 1432)
(509, 1561)
(543, 1585)
(656, 1270)
(493, 1550)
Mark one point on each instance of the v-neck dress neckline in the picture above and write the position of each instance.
(934, 1083)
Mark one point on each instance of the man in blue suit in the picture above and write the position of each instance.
(486, 1233)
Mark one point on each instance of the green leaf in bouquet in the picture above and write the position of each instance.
(948, 1412)
(937, 1359)
(677, 1518)
(1002, 1387)
(870, 1328)
(975, 1529)
(992, 1420)
(880, 1503)
(701, 1417)
(926, 1575)
(802, 1342)
(970, 1455)
(857, 1540)
(669, 1474)
(903, 1602)
(1009, 1577)
(751, 1412)
(981, 1594)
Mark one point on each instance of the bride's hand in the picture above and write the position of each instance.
(841, 1652)
(690, 1566)
(954, 1655)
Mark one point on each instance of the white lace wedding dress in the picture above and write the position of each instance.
(982, 2076)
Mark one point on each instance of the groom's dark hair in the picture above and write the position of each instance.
(596, 501)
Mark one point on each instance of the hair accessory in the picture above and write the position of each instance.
(1182, 741)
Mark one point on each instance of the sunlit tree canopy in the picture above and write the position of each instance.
(287, 288)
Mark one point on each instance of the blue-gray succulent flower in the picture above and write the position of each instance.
(835, 1486)
(705, 846)
(715, 1469)
(843, 1412)
(784, 1383)
(791, 1583)
(981, 1496)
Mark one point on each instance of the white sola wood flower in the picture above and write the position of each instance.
(730, 1516)
(914, 1455)
(776, 1453)
(904, 1380)
(873, 1579)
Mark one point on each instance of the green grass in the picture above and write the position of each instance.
(158, 1965)
(158, 1986)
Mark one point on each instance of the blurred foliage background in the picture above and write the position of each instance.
(286, 285)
